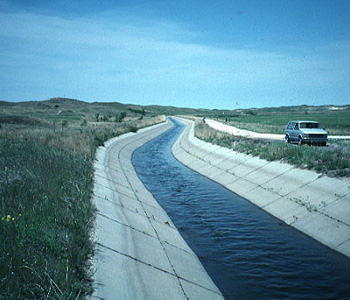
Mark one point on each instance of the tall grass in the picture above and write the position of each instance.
(46, 215)
(330, 162)
(46, 220)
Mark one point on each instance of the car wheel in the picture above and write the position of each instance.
(300, 142)
(287, 139)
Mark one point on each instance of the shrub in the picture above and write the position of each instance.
(120, 117)
(132, 128)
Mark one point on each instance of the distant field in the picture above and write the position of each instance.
(60, 115)
(336, 122)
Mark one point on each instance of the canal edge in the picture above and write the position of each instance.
(316, 205)
(139, 252)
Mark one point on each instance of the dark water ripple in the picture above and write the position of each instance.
(248, 253)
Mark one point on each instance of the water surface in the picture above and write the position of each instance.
(248, 253)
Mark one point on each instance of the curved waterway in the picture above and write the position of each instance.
(248, 253)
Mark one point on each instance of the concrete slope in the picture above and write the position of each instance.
(316, 205)
(139, 252)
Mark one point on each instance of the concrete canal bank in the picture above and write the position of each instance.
(316, 205)
(139, 253)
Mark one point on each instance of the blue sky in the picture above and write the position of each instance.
(201, 54)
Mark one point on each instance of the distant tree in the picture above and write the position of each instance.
(120, 117)
(251, 112)
(97, 116)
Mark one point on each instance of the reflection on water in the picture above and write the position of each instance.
(248, 253)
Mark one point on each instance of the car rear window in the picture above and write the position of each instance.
(309, 125)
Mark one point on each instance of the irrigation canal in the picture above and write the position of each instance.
(248, 253)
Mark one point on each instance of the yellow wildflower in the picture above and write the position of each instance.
(8, 218)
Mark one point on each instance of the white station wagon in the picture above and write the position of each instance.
(305, 132)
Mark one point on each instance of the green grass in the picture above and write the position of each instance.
(46, 221)
(23, 120)
(64, 115)
(329, 162)
(335, 122)
(46, 214)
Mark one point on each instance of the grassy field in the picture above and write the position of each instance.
(46, 179)
(335, 162)
(336, 120)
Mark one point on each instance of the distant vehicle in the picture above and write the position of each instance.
(305, 132)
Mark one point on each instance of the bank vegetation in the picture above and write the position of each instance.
(46, 180)
(333, 162)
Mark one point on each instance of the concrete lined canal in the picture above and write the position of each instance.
(248, 253)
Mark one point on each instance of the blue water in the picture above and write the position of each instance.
(248, 253)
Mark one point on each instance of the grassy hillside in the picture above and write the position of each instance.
(46, 178)
(336, 119)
